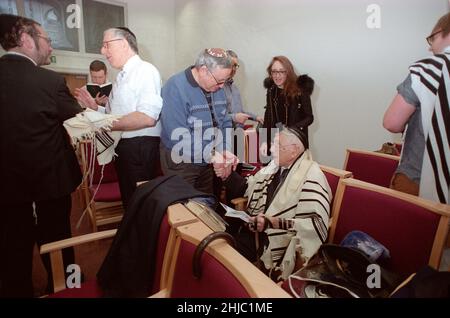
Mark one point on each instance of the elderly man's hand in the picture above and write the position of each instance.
(85, 99)
(224, 163)
(261, 222)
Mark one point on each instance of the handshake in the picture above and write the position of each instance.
(224, 163)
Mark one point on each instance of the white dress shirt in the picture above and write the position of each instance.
(137, 88)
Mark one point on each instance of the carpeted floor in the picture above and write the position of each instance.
(88, 256)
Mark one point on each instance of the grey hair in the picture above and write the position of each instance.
(128, 36)
(212, 62)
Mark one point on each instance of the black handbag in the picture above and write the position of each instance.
(340, 272)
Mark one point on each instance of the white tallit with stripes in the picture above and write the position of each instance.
(431, 83)
(305, 197)
(93, 125)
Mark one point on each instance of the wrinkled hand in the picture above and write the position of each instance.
(241, 118)
(224, 163)
(85, 99)
(259, 223)
(101, 100)
(260, 120)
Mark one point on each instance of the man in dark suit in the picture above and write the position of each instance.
(38, 167)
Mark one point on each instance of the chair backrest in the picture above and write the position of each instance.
(251, 146)
(176, 216)
(411, 228)
(370, 166)
(226, 273)
(333, 176)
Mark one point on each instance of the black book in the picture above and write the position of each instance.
(94, 89)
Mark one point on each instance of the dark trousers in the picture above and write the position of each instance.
(137, 160)
(19, 231)
(199, 176)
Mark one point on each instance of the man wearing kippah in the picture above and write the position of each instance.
(289, 204)
(136, 95)
(195, 121)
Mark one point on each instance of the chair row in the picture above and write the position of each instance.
(370, 166)
(412, 228)
(225, 272)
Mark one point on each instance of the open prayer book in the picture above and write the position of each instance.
(207, 215)
(232, 213)
(103, 89)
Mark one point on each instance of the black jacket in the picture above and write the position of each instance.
(129, 268)
(296, 112)
(37, 161)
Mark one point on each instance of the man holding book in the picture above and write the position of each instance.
(99, 87)
(288, 204)
(136, 96)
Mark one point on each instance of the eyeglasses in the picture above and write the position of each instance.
(280, 73)
(48, 40)
(217, 82)
(105, 43)
(217, 52)
(430, 38)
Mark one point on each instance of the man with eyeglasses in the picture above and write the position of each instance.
(289, 203)
(37, 164)
(136, 94)
(194, 120)
(422, 105)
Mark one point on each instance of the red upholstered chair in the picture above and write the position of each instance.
(413, 229)
(370, 166)
(225, 273)
(333, 176)
(176, 216)
(102, 198)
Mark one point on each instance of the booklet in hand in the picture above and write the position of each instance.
(230, 212)
(103, 89)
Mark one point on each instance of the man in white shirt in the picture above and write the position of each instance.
(136, 95)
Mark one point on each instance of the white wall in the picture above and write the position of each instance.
(356, 69)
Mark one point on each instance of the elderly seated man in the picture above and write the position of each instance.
(289, 203)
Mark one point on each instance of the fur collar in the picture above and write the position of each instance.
(304, 82)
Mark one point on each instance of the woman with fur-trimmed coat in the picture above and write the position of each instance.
(288, 99)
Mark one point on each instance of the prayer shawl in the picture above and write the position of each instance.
(304, 196)
(431, 83)
(90, 124)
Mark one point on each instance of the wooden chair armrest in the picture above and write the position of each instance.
(239, 203)
(77, 240)
(55, 251)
